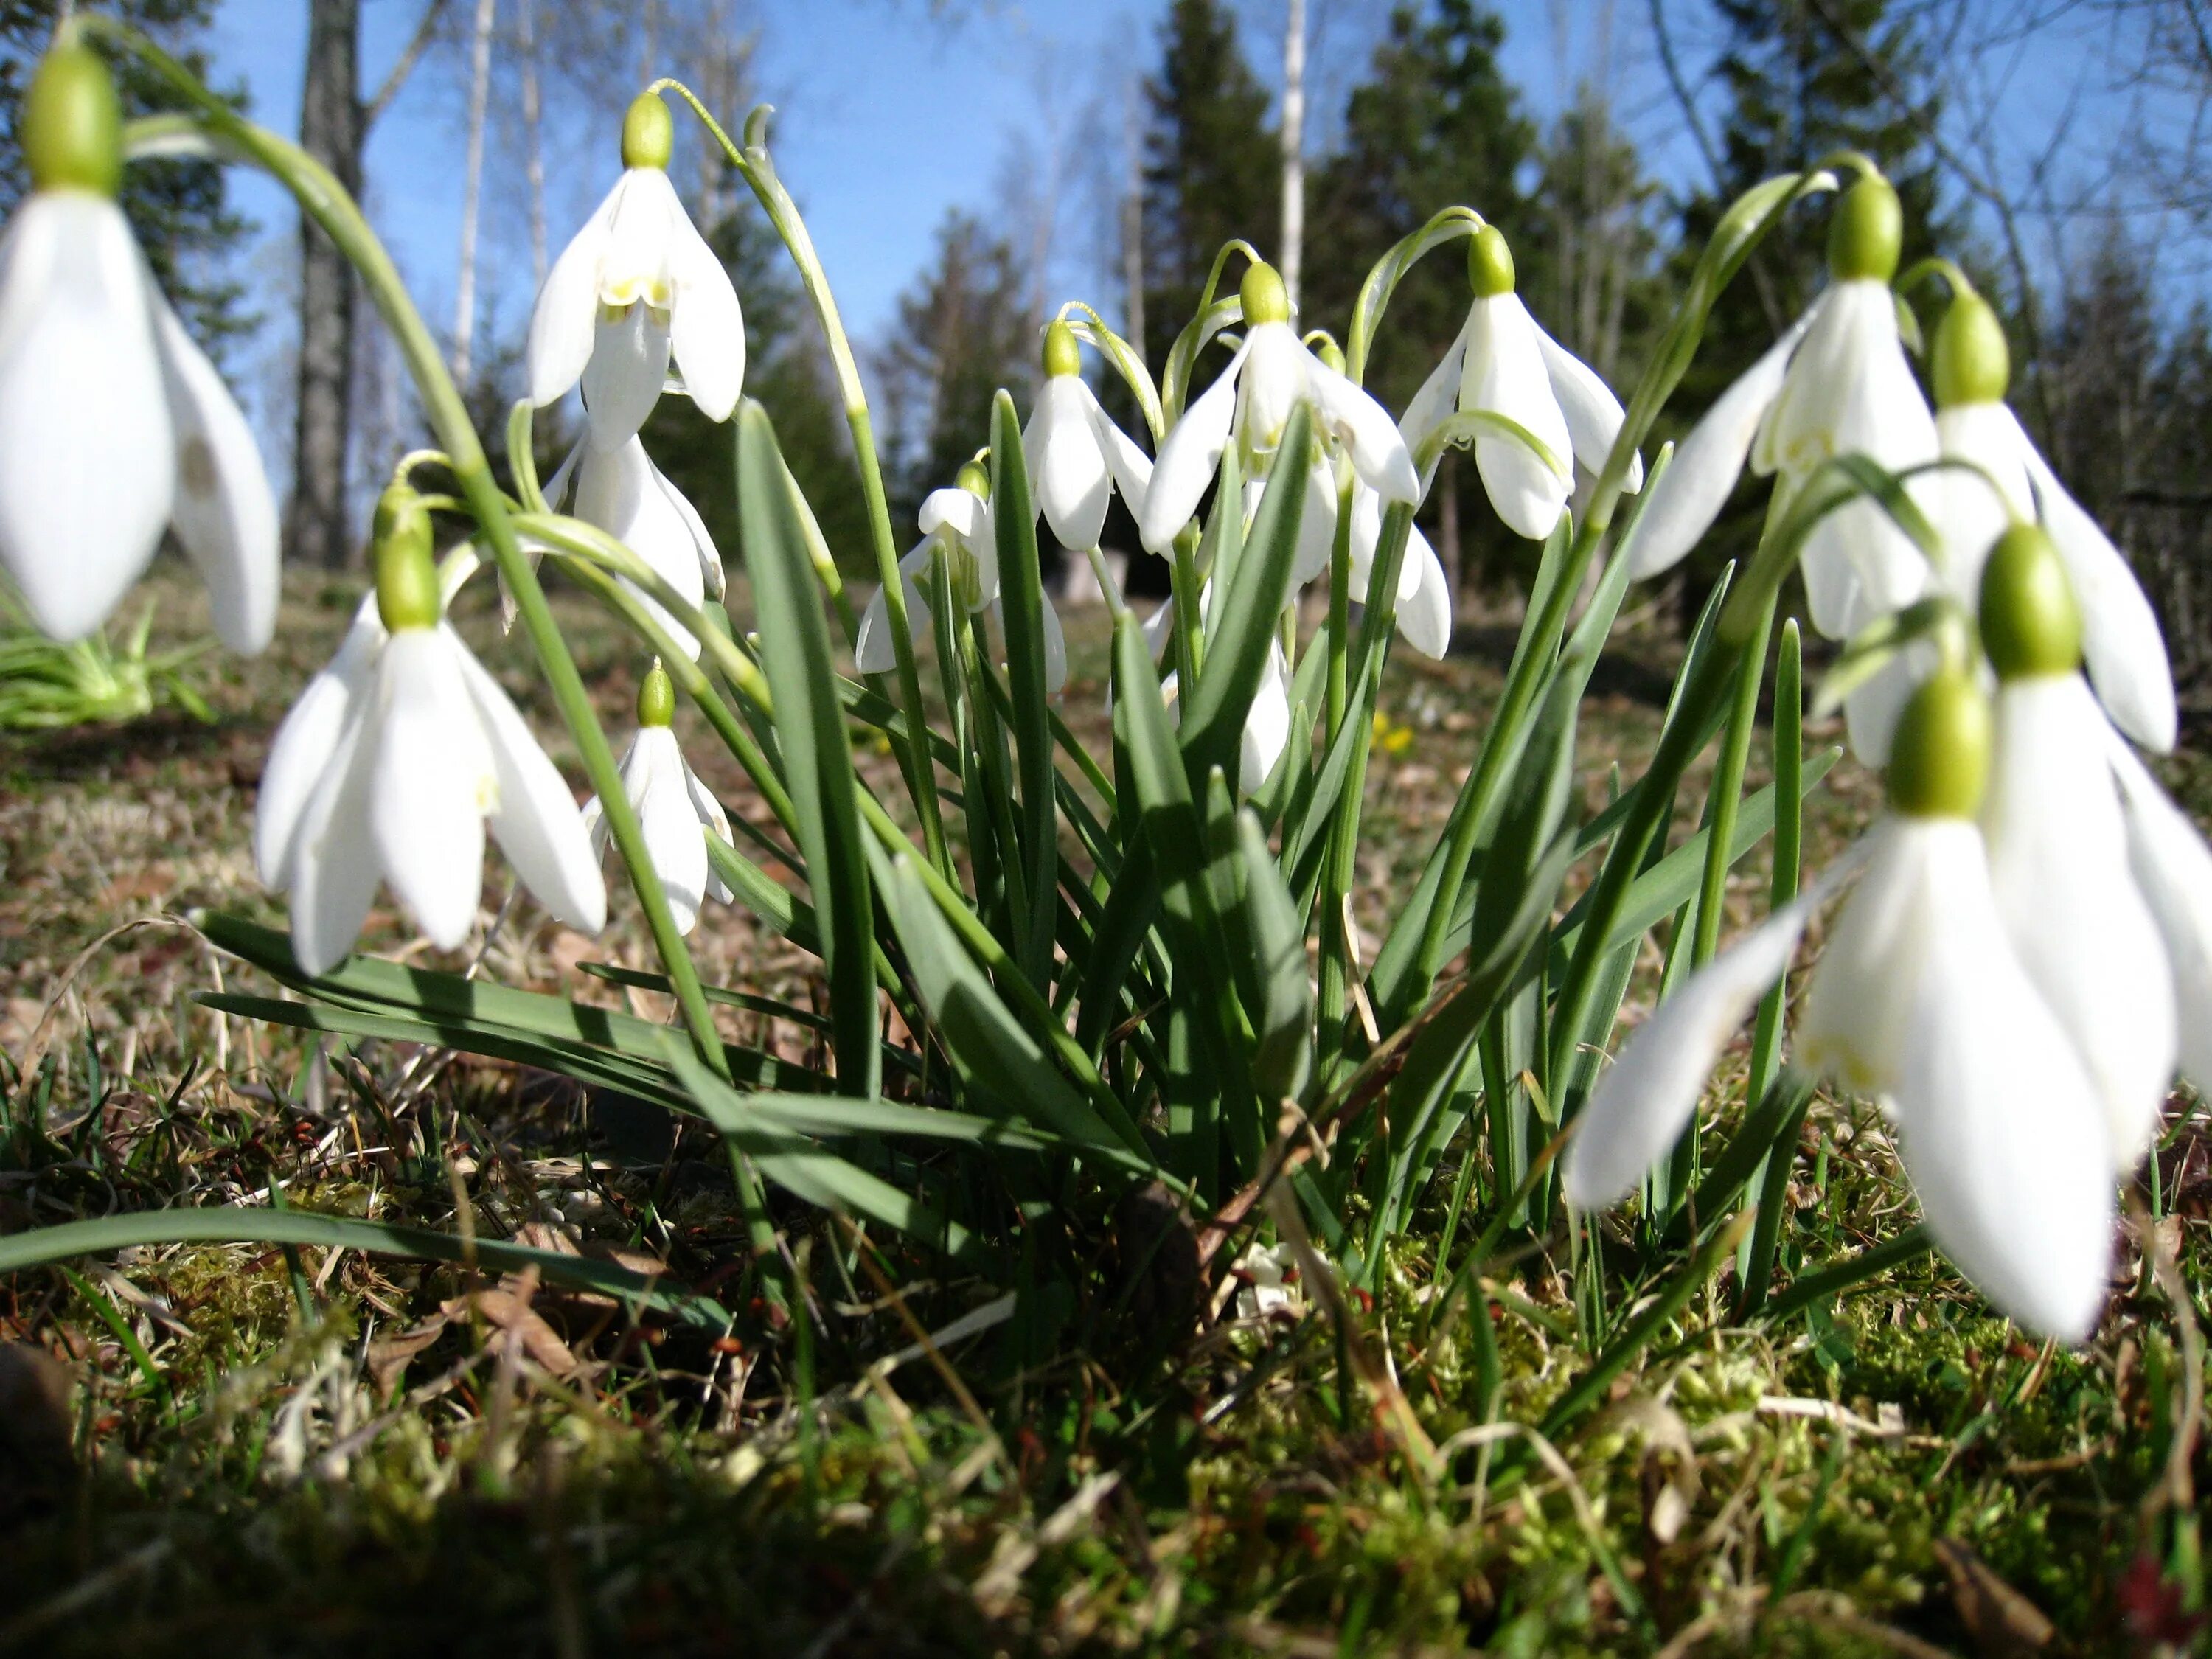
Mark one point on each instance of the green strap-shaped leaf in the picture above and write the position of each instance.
(810, 726)
(1022, 586)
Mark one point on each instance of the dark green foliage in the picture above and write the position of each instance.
(180, 210)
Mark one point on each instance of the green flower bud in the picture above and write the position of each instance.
(1489, 263)
(406, 579)
(2030, 623)
(975, 480)
(1867, 233)
(1330, 353)
(1939, 760)
(1972, 364)
(1062, 354)
(1266, 299)
(72, 126)
(648, 136)
(656, 697)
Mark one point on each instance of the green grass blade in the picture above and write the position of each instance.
(1022, 587)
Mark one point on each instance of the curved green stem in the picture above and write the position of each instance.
(324, 199)
(754, 166)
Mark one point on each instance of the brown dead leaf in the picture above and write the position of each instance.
(2003, 1623)
(508, 1306)
(35, 1429)
(389, 1356)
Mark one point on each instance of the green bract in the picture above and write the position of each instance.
(1866, 233)
(1939, 761)
(406, 579)
(72, 126)
(648, 132)
(1971, 363)
(1489, 263)
(2030, 622)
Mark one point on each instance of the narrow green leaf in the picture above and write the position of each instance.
(1022, 588)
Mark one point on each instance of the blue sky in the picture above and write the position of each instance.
(886, 119)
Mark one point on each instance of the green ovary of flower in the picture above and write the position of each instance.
(648, 132)
(1264, 297)
(1489, 264)
(1939, 761)
(1062, 354)
(1971, 363)
(2031, 624)
(406, 578)
(72, 126)
(656, 697)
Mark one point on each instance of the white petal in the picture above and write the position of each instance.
(535, 821)
(1067, 465)
(1189, 456)
(1159, 627)
(2120, 637)
(669, 822)
(1998, 1127)
(1132, 467)
(1642, 1104)
(1594, 415)
(1504, 374)
(87, 453)
(1684, 503)
(332, 871)
(561, 323)
(622, 381)
(1273, 383)
(1317, 523)
(1969, 510)
(224, 513)
(304, 748)
(712, 818)
(1859, 1004)
(1266, 724)
(1424, 598)
(1437, 397)
(619, 490)
(715, 580)
(2059, 863)
(431, 782)
(2173, 867)
(1365, 429)
(1055, 649)
(709, 325)
(874, 652)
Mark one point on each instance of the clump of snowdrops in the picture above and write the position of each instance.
(1134, 972)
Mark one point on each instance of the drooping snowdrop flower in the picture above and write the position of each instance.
(958, 526)
(2058, 846)
(1837, 384)
(2121, 644)
(1272, 373)
(392, 762)
(113, 425)
(1267, 723)
(1920, 1001)
(1075, 454)
(675, 811)
(621, 491)
(1424, 608)
(1505, 366)
(637, 284)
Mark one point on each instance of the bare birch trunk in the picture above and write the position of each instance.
(465, 284)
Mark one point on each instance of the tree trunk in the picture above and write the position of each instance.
(534, 143)
(464, 285)
(1294, 148)
(329, 130)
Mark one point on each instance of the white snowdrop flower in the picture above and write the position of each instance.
(1921, 1001)
(619, 489)
(676, 813)
(956, 524)
(1271, 374)
(1424, 609)
(1837, 383)
(2058, 845)
(392, 763)
(1267, 723)
(1268, 1282)
(2122, 646)
(1506, 366)
(1076, 456)
(2174, 869)
(1316, 517)
(113, 425)
(637, 284)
